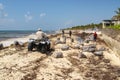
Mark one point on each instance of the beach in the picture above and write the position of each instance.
(60, 40)
(68, 61)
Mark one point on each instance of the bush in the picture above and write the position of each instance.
(115, 27)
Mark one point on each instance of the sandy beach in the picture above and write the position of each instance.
(76, 63)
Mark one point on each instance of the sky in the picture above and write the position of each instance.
(54, 14)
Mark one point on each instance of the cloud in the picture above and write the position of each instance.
(28, 17)
(3, 14)
(4, 20)
(1, 6)
(42, 15)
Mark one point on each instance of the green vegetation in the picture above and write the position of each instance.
(116, 17)
(115, 27)
(86, 26)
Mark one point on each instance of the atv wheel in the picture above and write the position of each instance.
(30, 46)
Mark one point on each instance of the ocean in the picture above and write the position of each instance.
(8, 34)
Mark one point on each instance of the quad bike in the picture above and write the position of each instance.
(42, 45)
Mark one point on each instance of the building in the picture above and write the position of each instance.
(112, 22)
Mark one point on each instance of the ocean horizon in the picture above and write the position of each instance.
(9, 34)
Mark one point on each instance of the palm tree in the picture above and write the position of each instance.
(117, 16)
(118, 11)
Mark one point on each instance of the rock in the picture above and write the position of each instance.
(58, 55)
(98, 53)
(65, 48)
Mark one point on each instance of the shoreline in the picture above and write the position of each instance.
(23, 39)
(10, 41)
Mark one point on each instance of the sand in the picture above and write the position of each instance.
(25, 65)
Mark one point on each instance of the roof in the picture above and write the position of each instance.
(109, 20)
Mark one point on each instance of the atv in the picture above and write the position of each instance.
(42, 45)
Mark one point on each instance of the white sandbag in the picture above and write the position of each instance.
(91, 49)
(85, 48)
(81, 55)
(92, 46)
(98, 53)
(101, 49)
(65, 47)
(77, 46)
(58, 55)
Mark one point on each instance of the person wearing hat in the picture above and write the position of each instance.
(40, 34)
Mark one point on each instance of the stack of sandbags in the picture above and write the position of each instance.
(99, 52)
(89, 48)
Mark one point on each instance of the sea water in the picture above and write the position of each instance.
(8, 34)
